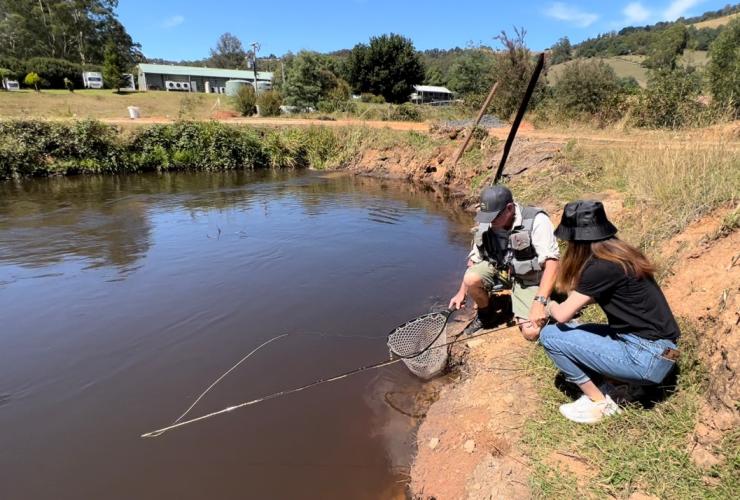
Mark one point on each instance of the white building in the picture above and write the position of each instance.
(431, 94)
(193, 78)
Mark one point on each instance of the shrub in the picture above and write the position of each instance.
(54, 71)
(406, 112)
(670, 99)
(269, 103)
(372, 98)
(14, 65)
(245, 100)
(32, 80)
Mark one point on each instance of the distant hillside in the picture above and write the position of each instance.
(717, 22)
(640, 40)
(631, 66)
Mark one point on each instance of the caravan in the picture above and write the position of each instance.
(92, 80)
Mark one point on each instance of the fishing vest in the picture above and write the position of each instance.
(513, 249)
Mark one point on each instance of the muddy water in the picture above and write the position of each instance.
(122, 298)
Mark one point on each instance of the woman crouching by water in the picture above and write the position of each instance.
(638, 346)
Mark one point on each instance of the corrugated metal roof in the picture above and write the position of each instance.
(432, 88)
(169, 69)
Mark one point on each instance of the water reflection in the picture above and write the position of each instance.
(106, 219)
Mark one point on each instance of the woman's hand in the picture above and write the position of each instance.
(564, 312)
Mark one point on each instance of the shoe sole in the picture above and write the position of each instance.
(582, 421)
(592, 420)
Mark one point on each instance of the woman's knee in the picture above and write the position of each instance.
(549, 336)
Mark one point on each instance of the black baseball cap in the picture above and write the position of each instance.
(492, 200)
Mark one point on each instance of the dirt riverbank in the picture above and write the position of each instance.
(470, 442)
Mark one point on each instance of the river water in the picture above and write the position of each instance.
(122, 298)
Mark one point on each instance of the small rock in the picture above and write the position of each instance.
(469, 446)
(433, 443)
(509, 399)
(703, 458)
(639, 495)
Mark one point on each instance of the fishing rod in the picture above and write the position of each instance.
(519, 115)
(177, 424)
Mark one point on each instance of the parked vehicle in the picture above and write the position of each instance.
(92, 80)
(11, 84)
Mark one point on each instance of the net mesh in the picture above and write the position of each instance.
(418, 341)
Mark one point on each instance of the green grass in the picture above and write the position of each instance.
(646, 450)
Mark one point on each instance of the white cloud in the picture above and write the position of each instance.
(635, 13)
(173, 21)
(571, 14)
(678, 8)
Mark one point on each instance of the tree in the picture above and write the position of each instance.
(309, 80)
(113, 68)
(562, 51)
(587, 88)
(513, 69)
(723, 71)
(75, 30)
(670, 99)
(229, 53)
(388, 66)
(669, 44)
(32, 80)
(473, 73)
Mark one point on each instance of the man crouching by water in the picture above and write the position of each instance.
(522, 240)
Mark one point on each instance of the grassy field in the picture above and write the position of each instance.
(98, 104)
(720, 21)
(623, 66)
(631, 65)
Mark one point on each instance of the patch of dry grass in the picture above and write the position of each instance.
(664, 185)
(98, 104)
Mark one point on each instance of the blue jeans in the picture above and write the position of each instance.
(581, 350)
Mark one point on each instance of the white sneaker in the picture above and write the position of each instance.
(585, 411)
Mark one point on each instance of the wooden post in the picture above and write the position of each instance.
(475, 124)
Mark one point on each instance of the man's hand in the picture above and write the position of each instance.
(538, 314)
(529, 329)
(457, 302)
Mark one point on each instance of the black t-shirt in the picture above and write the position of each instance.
(632, 305)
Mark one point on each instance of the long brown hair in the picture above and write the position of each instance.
(578, 253)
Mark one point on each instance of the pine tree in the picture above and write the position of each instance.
(113, 68)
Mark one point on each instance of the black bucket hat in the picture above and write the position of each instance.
(584, 220)
(492, 201)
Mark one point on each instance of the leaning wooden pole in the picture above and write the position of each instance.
(475, 124)
(519, 116)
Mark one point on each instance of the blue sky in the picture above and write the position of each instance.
(187, 29)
